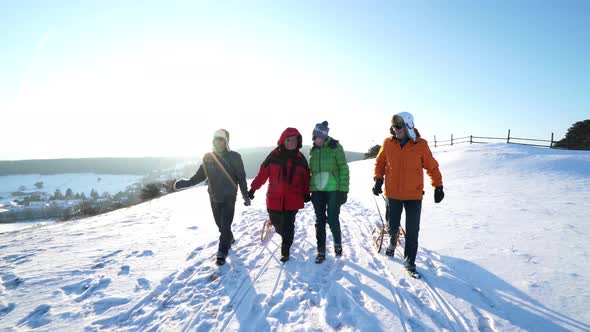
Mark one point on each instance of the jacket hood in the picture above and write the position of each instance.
(291, 132)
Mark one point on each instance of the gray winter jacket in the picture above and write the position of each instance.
(224, 172)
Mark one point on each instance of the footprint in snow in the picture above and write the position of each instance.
(142, 284)
(145, 253)
(109, 255)
(5, 310)
(18, 259)
(92, 287)
(11, 281)
(102, 264)
(36, 318)
(124, 270)
(102, 305)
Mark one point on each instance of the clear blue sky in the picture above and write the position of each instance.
(156, 78)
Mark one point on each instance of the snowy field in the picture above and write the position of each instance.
(506, 250)
(14, 226)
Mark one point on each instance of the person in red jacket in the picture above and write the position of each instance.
(287, 172)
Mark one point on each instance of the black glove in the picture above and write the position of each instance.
(251, 193)
(342, 197)
(182, 184)
(247, 201)
(439, 194)
(377, 188)
(306, 198)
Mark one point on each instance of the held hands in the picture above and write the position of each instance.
(439, 194)
(249, 197)
(306, 198)
(377, 189)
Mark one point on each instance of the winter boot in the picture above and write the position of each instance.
(338, 250)
(390, 251)
(320, 258)
(413, 272)
(220, 261)
(284, 254)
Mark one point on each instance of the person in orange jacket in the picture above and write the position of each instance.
(400, 162)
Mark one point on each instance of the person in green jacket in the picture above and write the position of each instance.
(329, 187)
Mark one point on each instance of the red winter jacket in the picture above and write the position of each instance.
(287, 173)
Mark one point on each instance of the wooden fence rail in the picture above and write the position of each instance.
(508, 138)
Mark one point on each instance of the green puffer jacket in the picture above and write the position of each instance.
(329, 170)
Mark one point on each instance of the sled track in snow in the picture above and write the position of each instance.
(449, 310)
(394, 292)
(241, 293)
(452, 315)
(237, 298)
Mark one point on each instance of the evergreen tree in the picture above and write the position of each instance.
(94, 194)
(577, 137)
(372, 152)
(58, 194)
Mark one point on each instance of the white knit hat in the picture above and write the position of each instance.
(222, 133)
(407, 119)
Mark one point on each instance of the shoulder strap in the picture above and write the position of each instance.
(223, 164)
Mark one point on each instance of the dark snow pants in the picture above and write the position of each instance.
(326, 202)
(284, 223)
(223, 212)
(413, 210)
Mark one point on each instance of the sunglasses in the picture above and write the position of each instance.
(398, 126)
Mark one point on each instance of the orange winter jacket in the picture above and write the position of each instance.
(402, 168)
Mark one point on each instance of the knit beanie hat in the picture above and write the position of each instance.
(321, 130)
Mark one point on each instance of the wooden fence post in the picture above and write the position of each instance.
(470, 139)
(508, 139)
(451, 139)
(551, 144)
(435, 141)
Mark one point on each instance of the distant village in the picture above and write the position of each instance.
(38, 204)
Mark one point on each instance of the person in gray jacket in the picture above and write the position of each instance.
(224, 171)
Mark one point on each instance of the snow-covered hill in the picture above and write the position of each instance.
(506, 250)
